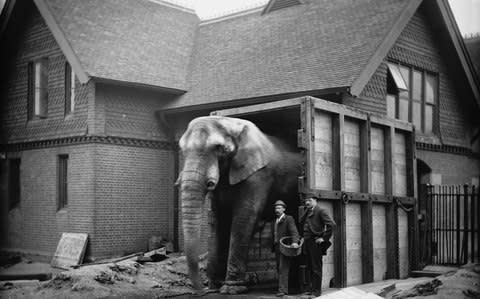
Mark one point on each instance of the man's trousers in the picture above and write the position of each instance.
(314, 265)
(283, 268)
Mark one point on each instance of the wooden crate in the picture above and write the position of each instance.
(363, 168)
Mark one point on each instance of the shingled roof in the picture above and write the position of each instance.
(311, 46)
(135, 41)
(316, 45)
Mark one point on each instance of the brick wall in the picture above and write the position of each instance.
(418, 46)
(451, 169)
(36, 41)
(36, 225)
(130, 112)
(134, 198)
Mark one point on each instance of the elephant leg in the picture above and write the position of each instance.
(246, 213)
(218, 246)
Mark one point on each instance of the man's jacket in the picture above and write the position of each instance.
(285, 228)
(321, 224)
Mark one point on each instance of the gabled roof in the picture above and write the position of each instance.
(318, 45)
(273, 5)
(132, 41)
(473, 46)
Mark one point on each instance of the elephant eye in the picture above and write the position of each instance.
(221, 149)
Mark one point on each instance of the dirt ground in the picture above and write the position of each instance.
(168, 278)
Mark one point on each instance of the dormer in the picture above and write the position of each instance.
(273, 5)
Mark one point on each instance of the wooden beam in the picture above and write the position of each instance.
(339, 211)
(332, 107)
(254, 109)
(391, 212)
(309, 111)
(412, 188)
(366, 207)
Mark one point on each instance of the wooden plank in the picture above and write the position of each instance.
(379, 242)
(307, 107)
(403, 241)
(352, 155)
(254, 109)
(324, 152)
(354, 243)
(339, 109)
(391, 210)
(366, 207)
(360, 197)
(377, 159)
(339, 212)
(414, 230)
(70, 250)
(388, 122)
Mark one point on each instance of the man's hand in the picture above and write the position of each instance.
(319, 240)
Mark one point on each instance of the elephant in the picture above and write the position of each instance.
(243, 171)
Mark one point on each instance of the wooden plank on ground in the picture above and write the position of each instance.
(70, 250)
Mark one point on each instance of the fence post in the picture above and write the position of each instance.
(465, 224)
(458, 224)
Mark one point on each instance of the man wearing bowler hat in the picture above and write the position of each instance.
(316, 226)
(283, 226)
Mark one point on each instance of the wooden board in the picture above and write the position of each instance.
(323, 151)
(400, 168)
(379, 242)
(352, 155)
(377, 166)
(70, 250)
(354, 244)
(403, 258)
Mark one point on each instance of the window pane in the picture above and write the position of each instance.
(417, 85)
(430, 88)
(403, 109)
(397, 77)
(72, 94)
(405, 71)
(390, 105)
(428, 119)
(417, 115)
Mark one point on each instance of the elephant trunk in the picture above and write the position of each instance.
(192, 194)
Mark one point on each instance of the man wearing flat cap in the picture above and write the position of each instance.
(283, 226)
(316, 226)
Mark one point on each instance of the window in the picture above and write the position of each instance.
(69, 89)
(14, 184)
(37, 88)
(62, 181)
(412, 96)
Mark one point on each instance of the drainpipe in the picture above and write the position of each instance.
(171, 136)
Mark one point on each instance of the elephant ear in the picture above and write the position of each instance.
(253, 152)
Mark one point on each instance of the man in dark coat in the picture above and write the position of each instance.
(283, 226)
(316, 226)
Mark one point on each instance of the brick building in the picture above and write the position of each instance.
(95, 95)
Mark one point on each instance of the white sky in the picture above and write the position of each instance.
(467, 12)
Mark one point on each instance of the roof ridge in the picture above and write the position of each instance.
(174, 4)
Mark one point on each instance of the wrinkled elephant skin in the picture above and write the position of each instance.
(244, 171)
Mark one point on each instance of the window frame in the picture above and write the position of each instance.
(37, 94)
(423, 102)
(14, 198)
(62, 181)
(70, 87)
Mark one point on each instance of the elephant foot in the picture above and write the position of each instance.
(233, 289)
(214, 284)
